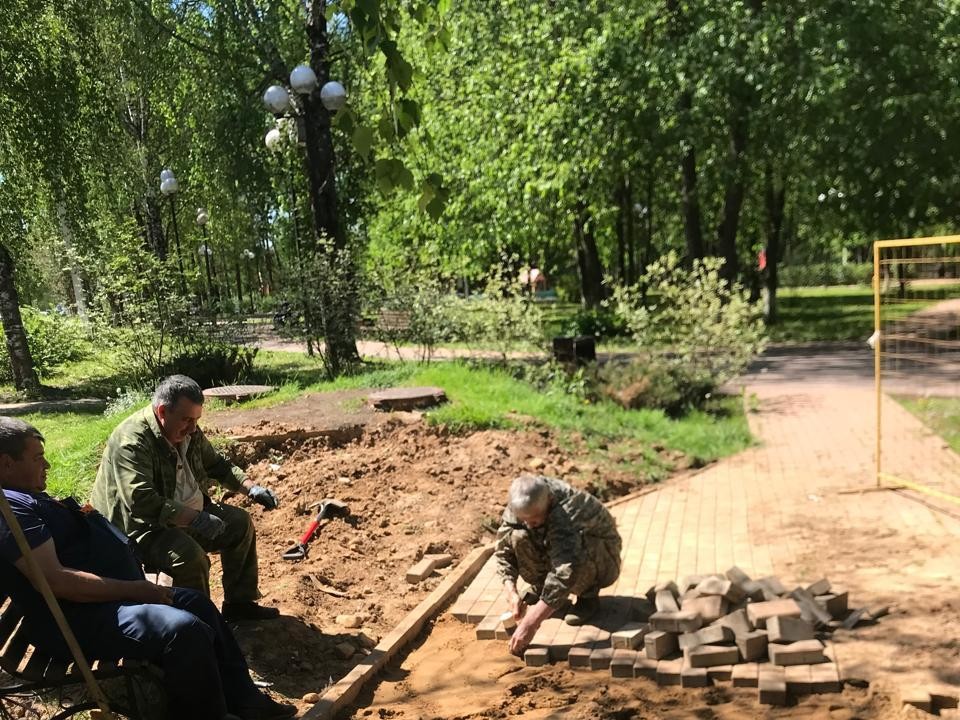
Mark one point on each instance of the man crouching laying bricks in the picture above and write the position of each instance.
(562, 541)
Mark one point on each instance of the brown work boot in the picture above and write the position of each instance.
(239, 611)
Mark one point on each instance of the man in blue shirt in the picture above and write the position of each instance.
(111, 608)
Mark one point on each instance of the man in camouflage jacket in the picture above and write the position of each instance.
(563, 542)
(154, 483)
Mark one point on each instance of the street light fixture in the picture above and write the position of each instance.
(333, 96)
(276, 99)
(169, 187)
(303, 79)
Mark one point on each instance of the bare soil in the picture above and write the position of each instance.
(491, 684)
(412, 489)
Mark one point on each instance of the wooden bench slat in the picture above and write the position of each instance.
(15, 651)
(36, 667)
(8, 623)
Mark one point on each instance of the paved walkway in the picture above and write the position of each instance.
(790, 507)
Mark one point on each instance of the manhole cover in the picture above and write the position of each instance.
(232, 393)
(411, 398)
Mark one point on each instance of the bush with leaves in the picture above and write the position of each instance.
(696, 329)
(53, 339)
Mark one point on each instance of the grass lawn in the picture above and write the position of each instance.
(481, 397)
(942, 415)
(841, 313)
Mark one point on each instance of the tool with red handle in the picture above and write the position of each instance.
(329, 508)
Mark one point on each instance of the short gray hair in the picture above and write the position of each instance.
(528, 492)
(13, 436)
(175, 387)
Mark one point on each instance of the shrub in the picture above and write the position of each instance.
(53, 340)
(697, 330)
(600, 322)
(211, 363)
(825, 274)
(654, 382)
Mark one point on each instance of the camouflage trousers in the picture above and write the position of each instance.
(597, 563)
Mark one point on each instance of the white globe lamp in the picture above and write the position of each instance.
(333, 96)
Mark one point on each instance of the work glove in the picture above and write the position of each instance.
(207, 525)
(265, 497)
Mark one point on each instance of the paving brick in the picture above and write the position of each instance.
(668, 672)
(744, 675)
(737, 621)
(755, 591)
(753, 645)
(710, 635)
(850, 622)
(773, 584)
(579, 657)
(421, 570)
(709, 607)
(771, 685)
(659, 644)
(645, 667)
(945, 700)
(805, 652)
(820, 587)
(721, 673)
(731, 591)
(621, 664)
(788, 630)
(810, 609)
(799, 681)
(630, 636)
(487, 628)
(920, 699)
(693, 677)
(689, 582)
(479, 611)
(536, 657)
(600, 658)
(666, 602)
(758, 613)
(835, 603)
(825, 678)
(675, 621)
(709, 655)
(738, 576)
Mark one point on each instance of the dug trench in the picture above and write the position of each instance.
(412, 489)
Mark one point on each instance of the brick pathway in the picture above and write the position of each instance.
(785, 507)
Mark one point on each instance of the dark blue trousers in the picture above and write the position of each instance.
(205, 674)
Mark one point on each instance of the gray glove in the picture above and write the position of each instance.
(263, 496)
(207, 525)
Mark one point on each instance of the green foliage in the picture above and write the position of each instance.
(210, 362)
(826, 274)
(694, 319)
(601, 322)
(658, 383)
(53, 339)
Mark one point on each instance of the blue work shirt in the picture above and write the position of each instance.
(83, 541)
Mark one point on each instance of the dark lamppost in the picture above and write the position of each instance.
(207, 252)
(169, 187)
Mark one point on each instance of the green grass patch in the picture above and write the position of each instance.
(843, 313)
(480, 398)
(942, 415)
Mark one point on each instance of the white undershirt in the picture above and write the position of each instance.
(188, 490)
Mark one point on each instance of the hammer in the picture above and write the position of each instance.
(329, 508)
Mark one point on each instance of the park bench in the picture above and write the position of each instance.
(130, 685)
(393, 320)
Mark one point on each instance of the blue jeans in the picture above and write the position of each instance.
(205, 674)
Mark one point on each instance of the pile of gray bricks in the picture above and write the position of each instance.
(752, 633)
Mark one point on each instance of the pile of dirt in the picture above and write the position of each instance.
(412, 490)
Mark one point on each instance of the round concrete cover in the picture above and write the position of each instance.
(408, 398)
(237, 392)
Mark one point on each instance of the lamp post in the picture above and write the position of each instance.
(207, 252)
(169, 187)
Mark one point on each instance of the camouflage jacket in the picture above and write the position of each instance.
(137, 478)
(574, 516)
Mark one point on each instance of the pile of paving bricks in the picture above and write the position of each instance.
(753, 633)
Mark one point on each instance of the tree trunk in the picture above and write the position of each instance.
(690, 201)
(21, 362)
(76, 281)
(775, 194)
(588, 258)
(338, 300)
(733, 198)
(624, 227)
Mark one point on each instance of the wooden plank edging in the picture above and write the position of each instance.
(344, 691)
